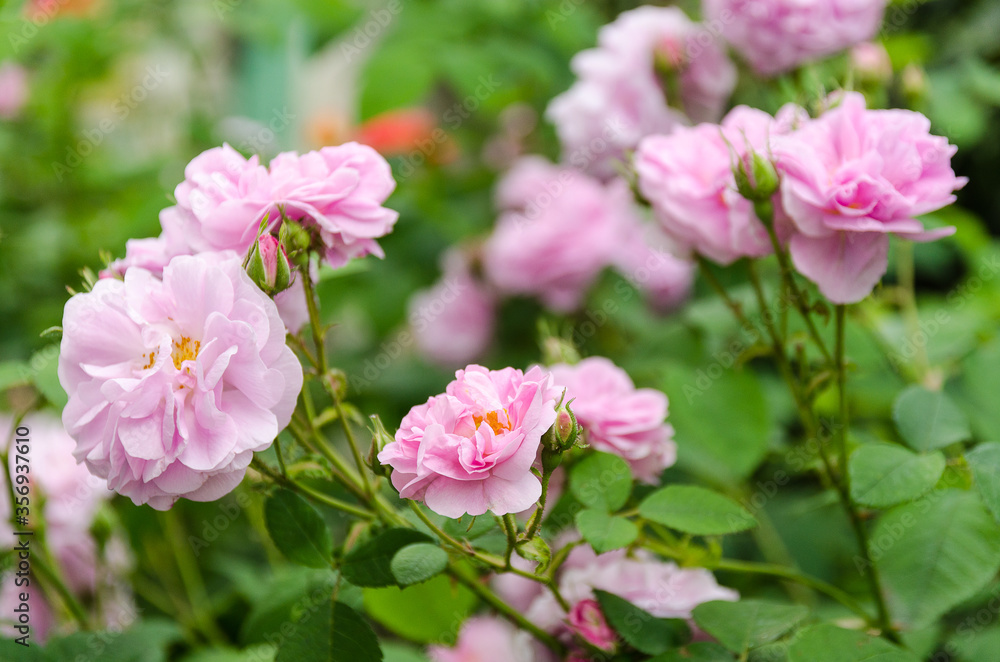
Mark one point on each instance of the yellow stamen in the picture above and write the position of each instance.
(184, 350)
(493, 420)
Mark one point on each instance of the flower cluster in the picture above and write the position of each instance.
(777, 35)
(848, 179)
(653, 68)
(559, 228)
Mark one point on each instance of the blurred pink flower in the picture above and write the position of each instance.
(489, 639)
(70, 498)
(687, 176)
(852, 177)
(452, 322)
(777, 35)
(558, 230)
(659, 587)
(471, 448)
(649, 262)
(174, 383)
(871, 62)
(651, 70)
(587, 621)
(13, 89)
(617, 417)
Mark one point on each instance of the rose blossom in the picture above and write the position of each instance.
(174, 383)
(618, 418)
(778, 35)
(620, 95)
(659, 587)
(452, 322)
(852, 177)
(490, 639)
(560, 228)
(687, 176)
(471, 448)
(338, 192)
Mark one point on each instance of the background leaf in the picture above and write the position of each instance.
(740, 626)
(929, 419)
(695, 510)
(605, 532)
(417, 563)
(884, 475)
(298, 530)
(370, 563)
(934, 553)
(984, 460)
(601, 481)
(639, 628)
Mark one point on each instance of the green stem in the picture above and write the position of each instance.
(798, 296)
(872, 573)
(191, 578)
(315, 495)
(536, 517)
(41, 568)
(510, 529)
(508, 612)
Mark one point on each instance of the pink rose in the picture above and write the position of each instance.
(587, 621)
(560, 229)
(490, 639)
(617, 417)
(620, 95)
(13, 89)
(174, 383)
(338, 192)
(777, 35)
(470, 449)
(452, 322)
(687, 176)
(659, 587)
(852, 177)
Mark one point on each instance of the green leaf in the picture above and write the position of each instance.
(264, 653)
(601, 481)
(828, 643)
(695, 510)
(929, 419)
(984, 460)
(401, 653)
(370, 563)
(298, 530)
(330, 632)
(702, 651)
(934, 553)
(469, 528)
(722, 422)
(423, 613)
(740, 626)
(884, 475)
(640, 629)
(10, 650)
(605, 532)
(417, 563)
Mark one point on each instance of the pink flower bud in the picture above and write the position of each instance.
(587, 621)
(871, 62)
(268, 265)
